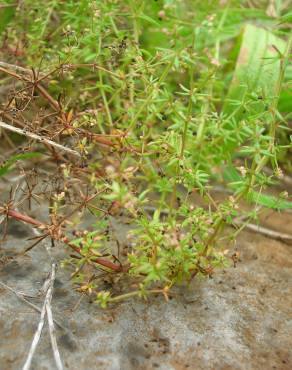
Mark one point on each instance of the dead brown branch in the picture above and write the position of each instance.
(33, 306)
(46, 310)
(98, 260)
(34, 136)
(36, 84)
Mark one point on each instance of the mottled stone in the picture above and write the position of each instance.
(240, 319)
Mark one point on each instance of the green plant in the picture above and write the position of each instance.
(142, 94)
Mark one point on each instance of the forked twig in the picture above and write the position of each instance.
(17, 68)
(52, 331)
(36, 84)
(39, 330)
(21, 297)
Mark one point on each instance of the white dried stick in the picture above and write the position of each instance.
(39, 330)
(52, 333)
(39, 138)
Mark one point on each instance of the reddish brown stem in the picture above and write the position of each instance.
(112, 266)
(24, 218)
(100, 261)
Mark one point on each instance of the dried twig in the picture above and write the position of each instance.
(39, 138)
(35, 307)
(39, 330)
(53, 338)
(2, 6)
(12, 119)
(52, 330)
(98, 260)
(48, 287)
(11, 71)
(17, 68)
(46, 310)
(286, 238)
(36, 84)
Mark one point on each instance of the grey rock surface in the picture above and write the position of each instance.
(240, 319)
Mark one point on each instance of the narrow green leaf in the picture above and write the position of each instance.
(6, 15)
(148, 19)
(4, 169)
(257, 70)
(269, 201)
(230, 174)
(286, 18)
(233, 178)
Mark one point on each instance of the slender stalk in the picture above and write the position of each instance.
(148, 99)
(135, 293)
(105, 102)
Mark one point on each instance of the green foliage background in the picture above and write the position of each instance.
(200, 90)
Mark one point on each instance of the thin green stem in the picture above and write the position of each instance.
(105, 102)
(148, 99)
(133, 294)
